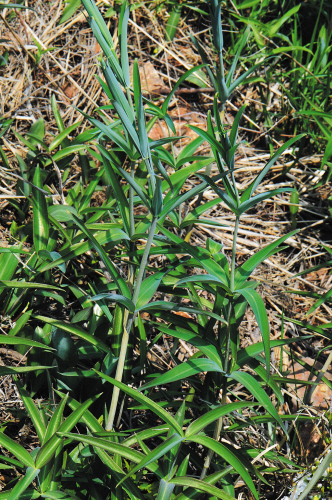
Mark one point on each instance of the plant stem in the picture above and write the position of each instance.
(127, 328)
(236, 228)
(219, 422)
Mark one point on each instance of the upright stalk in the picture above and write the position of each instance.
(127, 328)
(219, 422)
(236, 229)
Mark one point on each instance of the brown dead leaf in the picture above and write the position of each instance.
(151, 81)
(70, 90)
(182, 116)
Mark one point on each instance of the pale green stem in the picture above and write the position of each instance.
(125, 338)
(131, 201)
(219, 422)
(236, 229)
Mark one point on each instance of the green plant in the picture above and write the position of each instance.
(87, 278)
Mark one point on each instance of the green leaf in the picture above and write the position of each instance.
(48, 449)
(28, 494)
(157, 200)
(22, 485)
(113, 297)
(63, 135)
(40, 218)
(257, 305)
(111, 134)
(104, 257)
(246, 205)
(75, 251)
(75, 330)
(123, 29)
(171, 306)
(10, 340)
(195, 340)
(151, 405)
(243, 272)
(256, 390)
(70, 9)
(68, 151)
(148, 288)
(172, 22)
(316, 476)
(256, 182)
(210, 490)
(32, 410)
(14, 370)
(183, 371)
(14, 6)
(211, 416)
(178, 83)
(26, 284)
(320, 301)
(17, 450)
(229, 456)
(112, 447)
(226, 198)
(141, 120)
(203, 278)
(60, 212)
(154, 455)
(137, 188)
(200, 254)
(127, 125)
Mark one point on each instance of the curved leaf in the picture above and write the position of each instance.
(183, 371)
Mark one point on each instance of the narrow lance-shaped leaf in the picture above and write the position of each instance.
(113, 297)
(75, 330)
(211, 416)
(208, 489)
(257, 305)
(183, 371)
(137, 188)
(40, 217)
(227, 455)
(246, 205)
(60, 139)
(48, 449)
(258, 392)
(17, 450)
(142, 132)
(22, 485)
(158, 410)
(104, 257)
(113, 447)
(243, 272)
(178, 83)
(158, 452)
(32, 410)
(123, 28)
(256, 182)
(128, 126)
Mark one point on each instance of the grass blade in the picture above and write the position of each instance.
(17, 450)
(151, 405)
(40, 217)
(257, 305)
(256, 390)
(230, 457)
(209, 489)
(22, 485)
